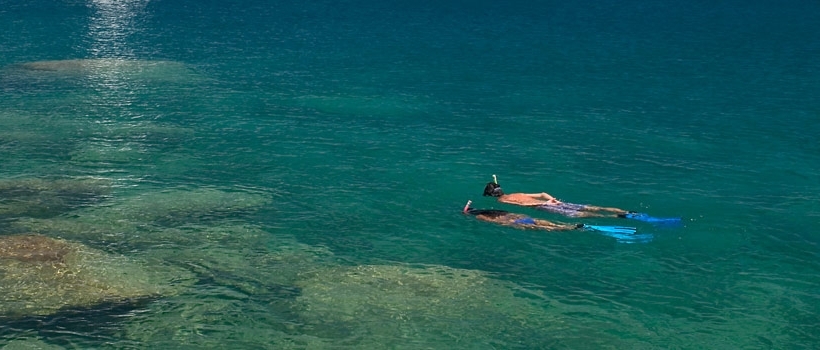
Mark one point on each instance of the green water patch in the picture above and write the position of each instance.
(377, 105)
(32, 140)
(749, 313)
(129, 146)
(31, 135)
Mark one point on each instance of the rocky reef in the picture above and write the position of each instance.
(36, 197)
(40, 275)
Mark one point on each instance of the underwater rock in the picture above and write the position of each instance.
(179, 206)
(382, 306)
(34, 197)
(160, 209)
(76, 65)
(210, 317)
(244, 257)
(41, 74)
(245, 280)
(241, 256)
(432, 305)
(40, 275)
(30, 344)
(91, 66)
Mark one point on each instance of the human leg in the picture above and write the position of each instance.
(552, 226)
(592, 208)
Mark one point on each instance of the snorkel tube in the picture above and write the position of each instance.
(467, 207)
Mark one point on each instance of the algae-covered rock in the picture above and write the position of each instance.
(154, 70)
(30, 344)
(41, 276)
(183, 205)
(245, 281)
(216, 317)
(381, 306)
(75, 65)
(45, 197)
(244, 257)
(147, 213)
(67, 76)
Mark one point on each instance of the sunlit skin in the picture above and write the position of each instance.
(509, 220)
(536, 199)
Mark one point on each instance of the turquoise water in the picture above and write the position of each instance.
(306, 165)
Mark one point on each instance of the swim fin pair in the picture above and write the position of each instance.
(622, 234)
(624, 238)
(650, 219)
(611, 229)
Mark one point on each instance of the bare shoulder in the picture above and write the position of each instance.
(520, 199)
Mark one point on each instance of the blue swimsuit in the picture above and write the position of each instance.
(524, 221)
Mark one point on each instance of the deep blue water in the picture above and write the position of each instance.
(368, 125)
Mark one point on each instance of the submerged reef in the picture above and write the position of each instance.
(154, 70)
(246, 278)
(40, 275)
(384, 306)
(129, 143)
(147, 214)
(245, 257)
(41, 198)
(101, 76)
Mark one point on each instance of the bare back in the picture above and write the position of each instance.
(529, 200)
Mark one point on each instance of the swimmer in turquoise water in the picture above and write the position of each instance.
(546, 202)
(521, 221)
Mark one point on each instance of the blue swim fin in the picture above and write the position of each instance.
(624, 238)
(651, 219)
(610, 229)
(622, 234)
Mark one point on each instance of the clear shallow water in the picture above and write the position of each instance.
(314, 159)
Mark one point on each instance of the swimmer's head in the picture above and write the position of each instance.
(493, 190)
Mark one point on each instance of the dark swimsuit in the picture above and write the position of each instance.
(566, 209)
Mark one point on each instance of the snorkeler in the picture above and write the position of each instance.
(506, 218)
(521, 221)
(546, 202)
